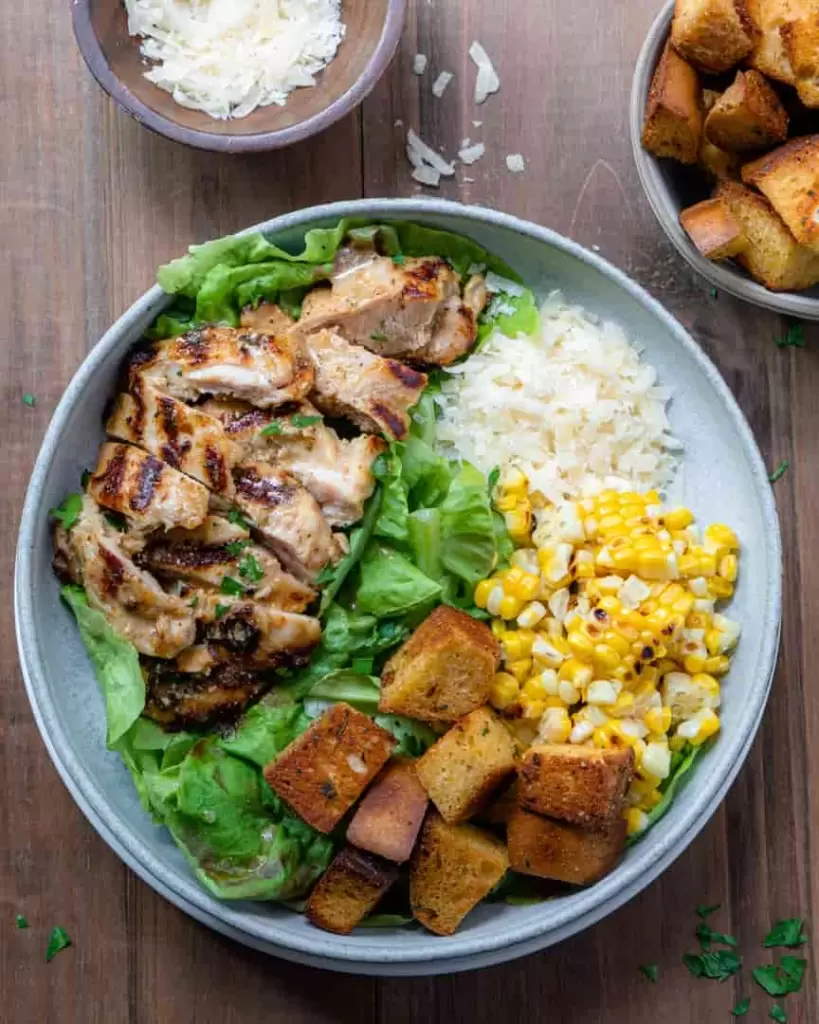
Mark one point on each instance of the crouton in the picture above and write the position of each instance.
(348, 890)
(324, 771)
(713, 34)
(444, 671)
(768, 54)
(713, 230)
(789, 179)
(672, 126)
(499, 809)
(716, 164)
(467, 764)
(388, 819)
(747, 117)
(772, 256)
(583, 785)
(453, 868)
(800, 37)
(565, 853)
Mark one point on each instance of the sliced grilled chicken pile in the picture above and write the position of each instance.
(221, 492)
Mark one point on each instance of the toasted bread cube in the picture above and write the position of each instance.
(716, 164)
(583, 785)
(713, 230)
(348, 890)
(389, 818)
(773, 256)
(672, 126)
(748, 116)
(800, 37)
(444, 671)
(789, 179)
(453, 868)
(769, 55)
(324, 771)
(713, 34)
(499, 809)
(467, 764)
(565, 853)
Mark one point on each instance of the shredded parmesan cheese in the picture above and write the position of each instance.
(420, 154)
(469, 154)
(228, 57)
(516, 163)
(487, 81)
(573, 406)
(419, 64)
(441, 82)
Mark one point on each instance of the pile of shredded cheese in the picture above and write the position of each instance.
(573, 406)
(228, 57)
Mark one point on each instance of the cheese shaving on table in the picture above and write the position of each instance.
(440, 83)
(470, 154)
(419, 64)
(573, 406)
(419, 154)
(516, 163)
(228, 57)
(487, 81)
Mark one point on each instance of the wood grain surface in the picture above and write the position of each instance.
(90, 204)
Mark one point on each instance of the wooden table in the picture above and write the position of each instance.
(90, 205)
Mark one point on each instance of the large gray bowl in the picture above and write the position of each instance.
(724, 479)
(670, 188)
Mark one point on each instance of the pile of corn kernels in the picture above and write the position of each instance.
(607, 618)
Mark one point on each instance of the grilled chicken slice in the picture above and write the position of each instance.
(178, 701)
(266, 318)
(184, 437)
(375, 393)
(236, 363)
(132, 601)
(149, 492)
(336, 472)
(240, 562)
(287, 516)
(394, 310)
(255, 634)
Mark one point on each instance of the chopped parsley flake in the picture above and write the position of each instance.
(741, 1008)
(236, 517)
(780, 471)
(232, 587)
(57, 940)
(29, 400)
(220, 610)
(273, 429)
(21, 921)
(778, 1014)
(299, 420)
(794, 337)
(650, 971)
(249, 569)
(236, 547)
(378, 336)
(783, 978)
(718, 964)
(194, 602)
(399, 259)
(707, 936)
(704, 911)
(787, 932)
(69, 512)
(492, 479)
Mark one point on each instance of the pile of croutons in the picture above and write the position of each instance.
(764, 209)
(561, 807)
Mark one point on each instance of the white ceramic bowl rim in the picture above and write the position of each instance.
(726, 276)
(646, 861)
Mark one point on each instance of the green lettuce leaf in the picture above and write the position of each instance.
(426, 474)
(425, 542)
(264, 732)
(414, 738)
(468, 527)
(392, 516)
(226, 290)
(116, 665)
(359, 538)
(391, 585)
(360, 691)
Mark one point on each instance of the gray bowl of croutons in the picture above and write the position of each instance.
(724, 125)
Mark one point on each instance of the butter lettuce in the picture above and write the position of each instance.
(392, 585)
(467, 527)
(116, 665)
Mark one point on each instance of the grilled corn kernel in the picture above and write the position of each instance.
(519, 523)
(728, 568)
(689, 565)
(713, 641)
(678, 518)
(520, 669)
(658, 720)
(532, 708)
(718, 534)
(510, 607)
(584, 565)
(574, 671)
(693, 663)
(697, 620)
(555, 726)
(532, 613)
(717, 666)
(495, 599)
(701, 727)
(720, 588)
(568, 692)
(505, 690)
(482, 592)
(581, 646)
(498, 628)
(636, 821)
(533, 689)
(526, 585)
(606, 658)
(513, 646)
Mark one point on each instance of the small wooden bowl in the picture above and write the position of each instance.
(373, 31)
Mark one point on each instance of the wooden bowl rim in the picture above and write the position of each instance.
(215, 142)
